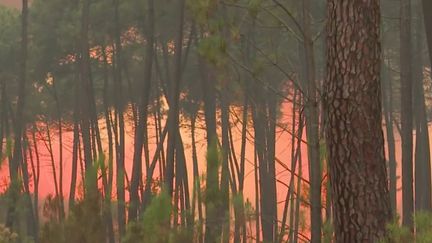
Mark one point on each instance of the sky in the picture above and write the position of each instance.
(11, 3)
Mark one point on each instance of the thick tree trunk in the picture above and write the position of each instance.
(353, 110)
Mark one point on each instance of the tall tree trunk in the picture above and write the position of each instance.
(75, 150)
(140, 131)
(36, 176)
(30, 220)
(257, 195)
(85, 101)
(387, 92)
(312, 127)
(406, 113)
(266, 178)
(19, 121)
(60, 152)
(174, 94)
(354, 134)
(212, 178)
(224, 209)
(119, 132)
(196, 179)
(422, 149)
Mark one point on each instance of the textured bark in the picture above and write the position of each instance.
(406, 113)
(353, 110)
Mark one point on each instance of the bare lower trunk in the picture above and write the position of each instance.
(355, 142)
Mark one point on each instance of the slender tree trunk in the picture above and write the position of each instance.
(53, 166)
(107, 179)
(141, 130)
(60, 136)
(212, 179)
(119, 131)
(196, 179)
(354, 134)
(224, 210)
(31, 220)
(75, 151)
(296, 224)
(312, 127)
(19, 121)
(422, 149)
(406, 113)
(2, 116)
(387, 92)
(174, 94)
(257, 196)
(85, 101)
(36, 175)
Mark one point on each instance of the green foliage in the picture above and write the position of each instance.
(327, 229)
(9, 36)
(83, 224)
(155, 224)
(213, 48)
(401, 234)
(423, 222)
(201, 9)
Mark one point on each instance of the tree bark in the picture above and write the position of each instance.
(354, 135)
